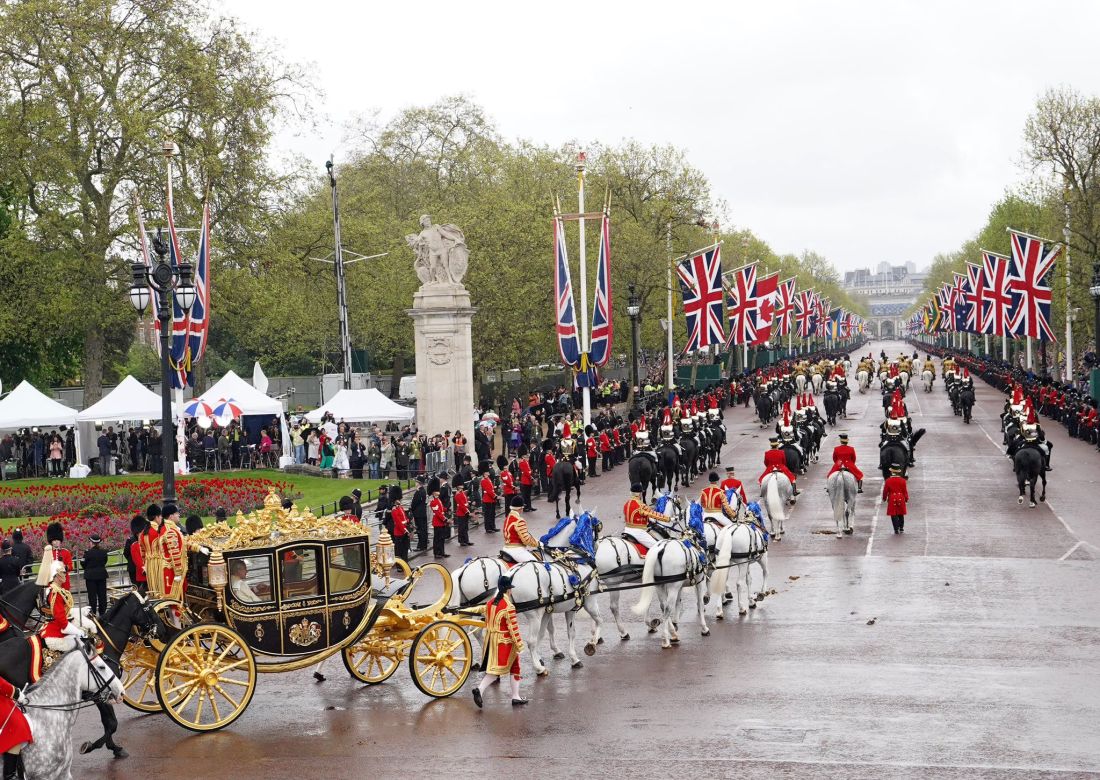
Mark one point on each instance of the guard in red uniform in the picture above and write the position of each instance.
(731, 482)
(775, 460)
(400, 525)
(503, 644)
(605, 451)
(55, 537)
(845, 455)
(439, 524)
(507, 481)
(895, 492)
(15, 732)
(488, 500)
(525, 481)
(59, 633)
(637, 516)
(462, 511)
(591, 454)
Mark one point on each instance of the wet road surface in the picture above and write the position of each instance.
(968, 647)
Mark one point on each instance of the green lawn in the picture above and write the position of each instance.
(314, 491)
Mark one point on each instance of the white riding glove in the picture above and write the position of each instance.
(20, 697)
(74, 630)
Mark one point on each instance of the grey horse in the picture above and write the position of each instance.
(52, 705)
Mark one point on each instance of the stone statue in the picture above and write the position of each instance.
(441, 254)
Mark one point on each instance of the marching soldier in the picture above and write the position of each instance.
(488, 500)
(439, 522)
(400, 524)
(507, 480)
(590, 452)
(503, 644)
(775, 460)
(895, 492)
(462, 512)
(526, 482)
(845, 455)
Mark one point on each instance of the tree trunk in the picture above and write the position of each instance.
(93, 364)
(397, 373)
(198, 373)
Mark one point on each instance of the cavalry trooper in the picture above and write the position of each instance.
(503, 643)
(637, 517)
(895, 492)
(59, 633)
(518, 542)
(845, 455)
(731, 482)
(776, 460)
(1034, 436)
(715, 505)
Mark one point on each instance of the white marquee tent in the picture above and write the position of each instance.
(26, 407)
(128, 402)
(250, 400)
(366, 405)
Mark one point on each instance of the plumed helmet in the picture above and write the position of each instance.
(57, 569)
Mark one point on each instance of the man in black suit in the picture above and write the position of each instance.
(418, 507)
(10, 568)
(95, 576)
(20, 550)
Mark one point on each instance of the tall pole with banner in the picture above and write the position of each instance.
(1069, 306)
(585, 336)
(671, 384)
(170, 151)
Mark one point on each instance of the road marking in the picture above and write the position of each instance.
(874, 525)
(1071, 551)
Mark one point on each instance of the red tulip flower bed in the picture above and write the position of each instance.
(106, 509)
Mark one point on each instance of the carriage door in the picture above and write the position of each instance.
(302, 600)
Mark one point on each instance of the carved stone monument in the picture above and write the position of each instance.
(442, 318)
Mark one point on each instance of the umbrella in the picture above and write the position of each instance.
(197, 408)
(226, 408)
(491, 417)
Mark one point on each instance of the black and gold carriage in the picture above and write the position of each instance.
(281, 590)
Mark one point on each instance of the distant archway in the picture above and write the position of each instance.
(886, 330)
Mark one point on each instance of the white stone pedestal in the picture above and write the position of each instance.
(442, 318)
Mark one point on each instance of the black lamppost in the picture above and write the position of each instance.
(166, 282)
(1094, 291)
(634, 309)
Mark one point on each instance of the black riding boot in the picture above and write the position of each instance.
(11, 766)
(859, 486)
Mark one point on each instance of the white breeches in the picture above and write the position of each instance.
(641, 536)
(718, 518)
(518, 553)
(61, 645)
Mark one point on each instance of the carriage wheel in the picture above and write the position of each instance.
(206, 677)
(139, 662)
(374, 660)
(441, 658)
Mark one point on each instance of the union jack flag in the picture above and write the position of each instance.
(701, 285)
(960, 304)
(765, 292)
(177, 356)
(1032, 260)
(742, 306)
(784, 307)
(976, 301)
(823, 322)
(568, 344)
(995, 289)
(805, 313)
(198, 323)
(946, 300)
(599, 348)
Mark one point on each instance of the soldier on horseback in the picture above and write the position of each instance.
(731, 482)
(775, 460)
(715, 506)
(638, 517)
(60, 635)
(1032, 435)
(845, 456)
(518, 542)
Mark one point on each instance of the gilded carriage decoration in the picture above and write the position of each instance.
(279, 590)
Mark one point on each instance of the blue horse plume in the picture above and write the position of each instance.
(758, 513)
(662, 503)
(584, 535)
(557, 529)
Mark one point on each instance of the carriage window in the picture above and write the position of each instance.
(298, 570)
(345, 567)
(250, 579)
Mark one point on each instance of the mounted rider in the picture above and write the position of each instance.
(844, 456)
(1032, 435)
(731, 482)
(667, 431)
(637, 517)
(518, 542)
(60, 635)
(776, 460)
(715, 506)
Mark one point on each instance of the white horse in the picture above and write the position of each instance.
(817, 379)
(777, 492)
(669, 566)
(904, 376)
(927, 378)
(746, 543)
(841, 487)
(539, 590)
(864, 379)
(800, 383)
(52, 705)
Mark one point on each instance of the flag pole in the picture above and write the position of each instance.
(585, 336)
(670, 369)
(1069, 309)
(170, 151)
(1030, 358)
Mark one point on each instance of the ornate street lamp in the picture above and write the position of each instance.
(634, 309)
(166, 283)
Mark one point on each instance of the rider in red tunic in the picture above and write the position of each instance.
(518, 541)
(59, 633)
(845, 455)
(503, 643)
(775, 460)
(895, 492)
(732, 483)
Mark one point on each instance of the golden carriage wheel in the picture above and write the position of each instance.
(441, 658)
(139, 660)
(373, 660)
(206, 677)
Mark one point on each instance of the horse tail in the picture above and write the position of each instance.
(721, 566)
(771, 497)
(648, 577)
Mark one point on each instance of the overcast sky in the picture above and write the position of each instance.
(867, 131)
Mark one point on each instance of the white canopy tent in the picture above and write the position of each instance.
(366, 405)
(26, 407)
(129, 402)
(251, 402)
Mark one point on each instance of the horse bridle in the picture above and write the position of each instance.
(95, 698)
